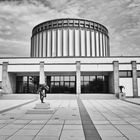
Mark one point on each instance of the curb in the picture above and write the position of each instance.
(131, 102)
(11, 108)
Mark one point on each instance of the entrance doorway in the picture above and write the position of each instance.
(27, 84)
(61, 84)
(94, 84)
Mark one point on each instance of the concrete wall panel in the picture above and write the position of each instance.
(96, 68)
(138, 86)
(23, 68)
(1, 73)
(125, 67)
(127, 83)
(50, 68)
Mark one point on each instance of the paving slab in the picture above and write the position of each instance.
(29, 132)
(123, 118)
(23, 137)
(112, 119)
(46, 138)
(40, 111)
(33, 126)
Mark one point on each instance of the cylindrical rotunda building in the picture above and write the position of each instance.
(70, 38)
(71, 56)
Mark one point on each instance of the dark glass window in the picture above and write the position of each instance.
(125, 73)
(94, 84)
(62, 84)
(86, 78)
(72, 78)
(92, 78)
(66, 78)
(56, 78)
(27, 84)
(61, 78)
(138, 73)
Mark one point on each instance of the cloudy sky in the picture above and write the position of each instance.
(18, 17)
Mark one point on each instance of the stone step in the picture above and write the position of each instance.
(42, 106)
(98, 96)
(40, 111)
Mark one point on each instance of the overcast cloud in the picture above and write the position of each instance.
(18, 17)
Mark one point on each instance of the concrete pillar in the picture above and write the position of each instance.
(111, 85)
(8, 80)
(78, 78)
(42, 74)
(116, 77)
(5, 77)
(134, 79)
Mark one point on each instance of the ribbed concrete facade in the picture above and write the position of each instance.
(71, 56)
(70, 38)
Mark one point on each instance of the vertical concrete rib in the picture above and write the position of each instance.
(42, 45)
(56, 42)
(73, 42)
(99, 44)
(78, 77)
(95, 42)
(68, 41)
(80, 42)
(46, 43)
(51, 44)
(102, 45)
(85, 42)
(62, 42)
(31, 51)
(90, 43)
(134, 79)
(108, 48)
(38, 44)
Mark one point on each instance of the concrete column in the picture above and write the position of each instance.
(5, 77)
(134, 79)
(42, 74)
(78, 78)
(116, 77)
(8, 80)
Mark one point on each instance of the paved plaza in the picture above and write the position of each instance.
(69, 117)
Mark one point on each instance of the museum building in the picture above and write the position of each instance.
(72, 56)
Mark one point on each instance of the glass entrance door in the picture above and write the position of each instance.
(61, 84)
(94, 84)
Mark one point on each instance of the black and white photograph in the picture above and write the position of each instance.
(69, 69)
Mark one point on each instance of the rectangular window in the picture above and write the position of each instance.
(138, 73)
(94, 84)
(57, 78)
(66, 78)
(86, 78)
(127, 73)
(72, 78)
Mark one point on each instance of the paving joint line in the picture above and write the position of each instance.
(86, 121)
(109, 120)
(61, 130)
(120, 124)
(131, 102)
(17, 130)
(45, 123)
(17, 106)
